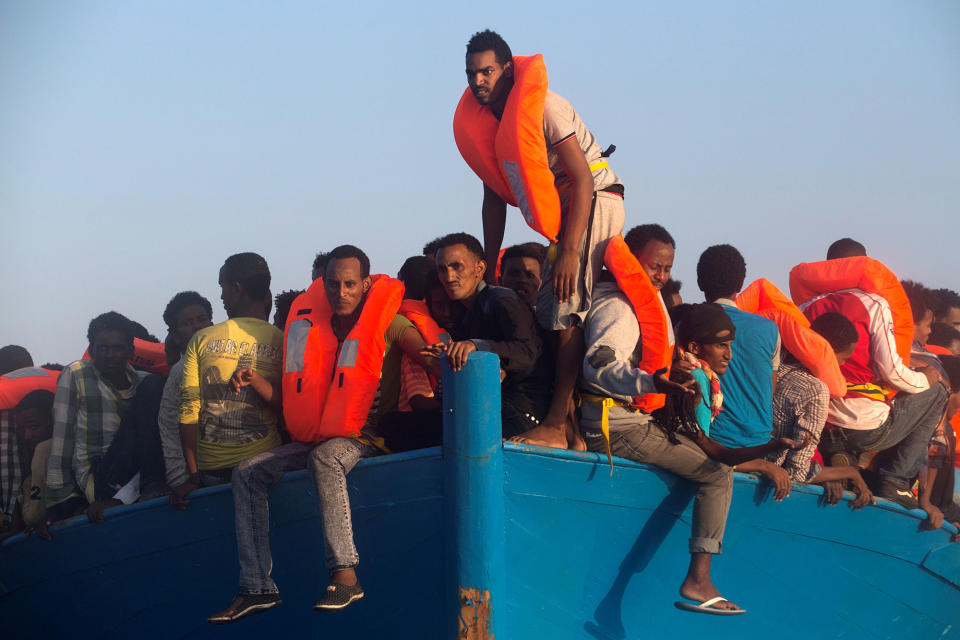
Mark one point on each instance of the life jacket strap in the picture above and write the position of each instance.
(606, 402)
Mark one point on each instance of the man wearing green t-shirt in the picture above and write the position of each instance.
(346, 283)
(230, 394)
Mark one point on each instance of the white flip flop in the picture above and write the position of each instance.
(707, 607)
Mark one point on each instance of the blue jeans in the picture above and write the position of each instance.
(907, 430)
(328, 462)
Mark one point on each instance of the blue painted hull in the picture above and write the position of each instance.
(587, 555)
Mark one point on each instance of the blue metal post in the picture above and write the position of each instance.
(473, 498)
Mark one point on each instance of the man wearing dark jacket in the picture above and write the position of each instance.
(495, 319)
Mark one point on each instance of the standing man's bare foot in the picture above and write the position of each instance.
(575, 441)
(545, 436)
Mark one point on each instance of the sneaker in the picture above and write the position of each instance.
(245, 604)
(337, 596)
(903, 497)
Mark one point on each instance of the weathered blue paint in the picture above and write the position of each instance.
(586, 555)
(473, 495)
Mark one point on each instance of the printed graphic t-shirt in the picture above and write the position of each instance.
(231, 426)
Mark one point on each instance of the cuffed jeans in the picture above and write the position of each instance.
(328, 463)
(913, 419)
(714, 480)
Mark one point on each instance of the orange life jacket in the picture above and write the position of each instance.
(18, 383)
(806, 345)
(148, 356)
(655, 331)
(417, 312)
(328, 386)
(510, 154)
(937, 350)
(812, 279)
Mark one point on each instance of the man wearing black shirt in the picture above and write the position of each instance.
(495, 319)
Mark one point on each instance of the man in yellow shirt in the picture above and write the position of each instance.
(230, 394)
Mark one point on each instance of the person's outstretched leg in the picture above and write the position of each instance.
(252, 480)
(329, 464)
(714, 488)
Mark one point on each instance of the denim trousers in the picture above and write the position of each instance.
(329, 463)
(907, 431)
(713, 480)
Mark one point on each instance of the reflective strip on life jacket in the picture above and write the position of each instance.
(656, 333)
(148, 356)
(329, 386)
(510, 154)
(809, 347)
(18, 383)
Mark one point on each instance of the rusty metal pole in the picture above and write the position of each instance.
(473, 498)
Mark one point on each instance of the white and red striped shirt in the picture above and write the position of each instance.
(875, 358)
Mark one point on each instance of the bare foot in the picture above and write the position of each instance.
(544, 436)
(574, 439)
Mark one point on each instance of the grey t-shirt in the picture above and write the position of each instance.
(560, 122)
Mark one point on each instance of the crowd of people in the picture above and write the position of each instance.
(350, 368)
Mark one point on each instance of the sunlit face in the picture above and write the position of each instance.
(716, 354)
(523, 276)
(189, 320)
(921, 330)
(460, 271)
(110, 351)
(489, 81)
(844, 354)
(656, 258)
(345, 285)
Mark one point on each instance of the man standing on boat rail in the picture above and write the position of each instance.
(574, 199)
(611, 379)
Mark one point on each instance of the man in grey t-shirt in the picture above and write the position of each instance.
(591, 212)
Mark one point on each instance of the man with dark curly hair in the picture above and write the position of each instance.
(748, 384)
(590, 195)
(92, 398)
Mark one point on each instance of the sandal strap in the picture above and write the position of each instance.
(706, 604)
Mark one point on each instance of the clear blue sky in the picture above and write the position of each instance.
(141, 143)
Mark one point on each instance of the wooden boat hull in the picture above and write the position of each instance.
(570, 552)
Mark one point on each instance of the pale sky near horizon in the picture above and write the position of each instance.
(142, 143)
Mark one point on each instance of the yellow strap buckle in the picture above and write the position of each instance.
(605, 427)
(596, 166)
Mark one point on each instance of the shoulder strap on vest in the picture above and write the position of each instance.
(655, 331)
(811, 279)
(510, 154)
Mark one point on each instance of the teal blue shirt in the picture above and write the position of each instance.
(702, 410)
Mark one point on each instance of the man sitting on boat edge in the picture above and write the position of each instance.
(331, 388)
(611, 380)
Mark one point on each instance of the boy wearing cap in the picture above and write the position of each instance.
(705, 336)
